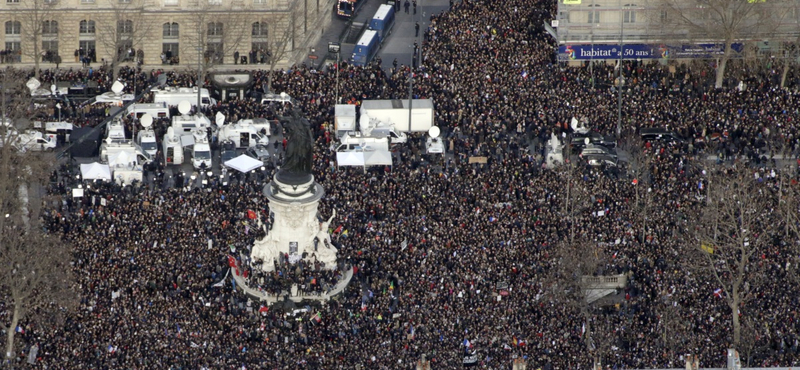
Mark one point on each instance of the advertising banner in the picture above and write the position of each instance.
(642, 51)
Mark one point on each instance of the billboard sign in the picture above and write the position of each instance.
(641, 51)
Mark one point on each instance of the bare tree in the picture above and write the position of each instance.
(734, 225)
(127, 28)
(217, 32)
(719, 21)
(640, 162)
(36, 18)
(36, 278)
(279, 37)
(571, 284)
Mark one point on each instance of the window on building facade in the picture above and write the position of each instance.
(87, 27)
(215, 29)
(12, 1)
(662, 16)
(50, 45)
(50, 27)
(260, 29)
(259, 1)
(125, 27)
(171, 30)
(171, 2)
(629, 13)
(170, 52)
(13, 45)
(13, 28)
(594, 15)
(87, 1)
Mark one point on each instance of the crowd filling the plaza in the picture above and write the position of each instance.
(432, 239)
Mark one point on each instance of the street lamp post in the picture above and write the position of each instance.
(199, 67)
(335, 47)
(621, 80)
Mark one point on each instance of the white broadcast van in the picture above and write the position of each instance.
(243, 134)
(159, 110)
(173, 96)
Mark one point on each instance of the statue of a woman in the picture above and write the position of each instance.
(300, 143)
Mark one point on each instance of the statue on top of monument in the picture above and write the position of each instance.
(300, 143)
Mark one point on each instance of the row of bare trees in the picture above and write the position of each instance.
(731, 22)
(739, 217)
(36, 281)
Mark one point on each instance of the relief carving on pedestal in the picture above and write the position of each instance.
(294, 215)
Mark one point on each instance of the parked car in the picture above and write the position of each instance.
(579, 141)
(227, 151)
(598, 150)
(660, 134)
(600, 160)
(259, 152)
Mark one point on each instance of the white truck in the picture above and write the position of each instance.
(34, 141)
(344, 119)
(377, 128)
(115, 131)
(175, 95)
(109, 149)
(434, 143)
(173, 150)
(147, 138)
(54, 129)
(396, 113)
(160, 110)
(201, 150)
(115, 96)
(261, 124)
(357, 150)
(243, 134)
(358, 142)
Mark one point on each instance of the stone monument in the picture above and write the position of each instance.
(294, 196)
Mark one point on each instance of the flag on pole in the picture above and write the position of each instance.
(718, 293)
(20, 330)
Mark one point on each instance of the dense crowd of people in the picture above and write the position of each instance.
(450, 257)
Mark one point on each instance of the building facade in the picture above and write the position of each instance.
(160, 31)
(661, 29)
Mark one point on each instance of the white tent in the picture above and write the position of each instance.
(350, 158)
(243, 163)
(122, 159)
(378, 158)
(95, 171)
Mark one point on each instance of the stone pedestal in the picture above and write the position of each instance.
(293, 199)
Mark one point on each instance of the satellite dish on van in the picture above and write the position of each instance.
(434, 132)
(146, 120)
(33, 84)
(184, 107)
(109, 140)
(170, 132)
(117, 87)
(53, 88)
(586, 141)
(220, 119)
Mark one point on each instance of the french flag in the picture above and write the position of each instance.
(20, 330)
(718, 293)
(467, 343)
